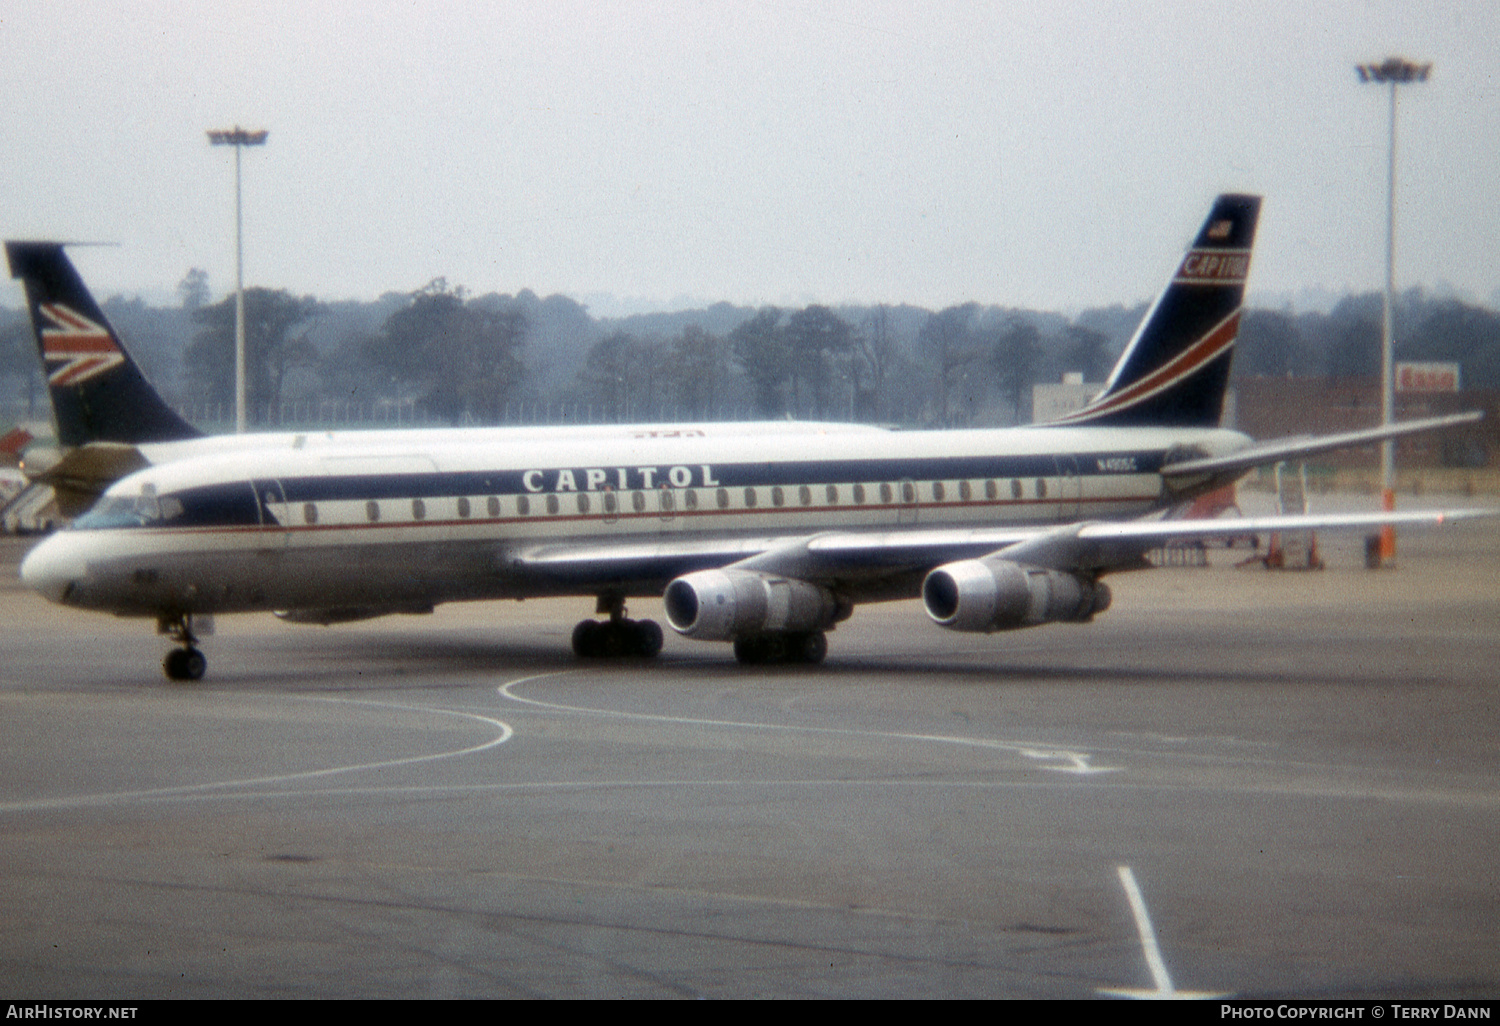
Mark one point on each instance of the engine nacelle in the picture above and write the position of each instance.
(1000, 595)
(721, 605)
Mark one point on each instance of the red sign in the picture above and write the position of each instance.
(1427, 377)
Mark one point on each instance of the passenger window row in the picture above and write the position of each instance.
(668, 499)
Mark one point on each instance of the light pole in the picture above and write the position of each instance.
(1393, 71)
(239, 138)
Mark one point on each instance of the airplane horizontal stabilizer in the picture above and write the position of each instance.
(1113, 547)
(80, 476)
(1276, 450)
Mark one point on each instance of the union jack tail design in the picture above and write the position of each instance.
(74, 347)
(1175, 371)
(98, 393)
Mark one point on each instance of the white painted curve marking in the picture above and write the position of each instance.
(1071, 762)
(505, 732)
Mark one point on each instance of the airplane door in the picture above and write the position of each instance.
(274, 509)
(1070, 489)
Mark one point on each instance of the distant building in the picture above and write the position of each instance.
(1053, 400)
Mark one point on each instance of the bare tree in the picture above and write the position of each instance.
(760, 348)
(949, 342)
(1017, 352)
(700, 366)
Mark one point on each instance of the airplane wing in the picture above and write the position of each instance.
(880, 558)
(1276, 450)
(826, 556)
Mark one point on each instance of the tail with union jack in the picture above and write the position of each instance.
(98, 392)
(1175, 371)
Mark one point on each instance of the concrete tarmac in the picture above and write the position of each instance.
(1235, 782)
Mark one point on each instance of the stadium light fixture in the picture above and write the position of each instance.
(239, 138)
(1392, 71)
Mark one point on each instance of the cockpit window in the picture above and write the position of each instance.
(221, 505)
(115, 511)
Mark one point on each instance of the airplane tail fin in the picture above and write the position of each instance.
(98, 393)
(1175, 371)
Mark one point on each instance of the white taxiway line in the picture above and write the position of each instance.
(1164, 989)
(504, 734)
(1067, 761)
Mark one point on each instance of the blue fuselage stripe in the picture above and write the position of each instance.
(439, 484)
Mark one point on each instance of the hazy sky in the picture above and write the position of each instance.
(1052, 155)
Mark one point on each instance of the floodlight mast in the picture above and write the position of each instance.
(239, 138)
(1393, 71)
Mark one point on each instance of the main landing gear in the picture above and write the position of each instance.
(617, 636)
(782, 647)
(185, 663)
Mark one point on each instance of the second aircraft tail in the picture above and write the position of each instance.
(98, 392)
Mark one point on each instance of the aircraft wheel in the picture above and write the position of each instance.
(749, 651)
(811, 648)
(616, 638)
(781, 648)
(648, 638)
(760, 649)
(185, 664)
(588, 640)
(594, 639)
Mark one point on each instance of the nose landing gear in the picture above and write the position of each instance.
(185, 663)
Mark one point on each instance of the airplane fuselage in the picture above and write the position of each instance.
(420, 520)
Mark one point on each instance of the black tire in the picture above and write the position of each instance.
(781, 647)
(811, 648)
(749, 651)
(184, 664)
(648, 638)
(587, 639)
(616, 638)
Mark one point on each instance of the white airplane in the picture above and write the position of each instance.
(761, 539)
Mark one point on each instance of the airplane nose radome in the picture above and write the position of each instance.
(51, 571)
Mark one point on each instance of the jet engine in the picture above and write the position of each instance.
(1001, 595)
(721, 605)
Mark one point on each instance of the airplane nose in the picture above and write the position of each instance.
(53, 569)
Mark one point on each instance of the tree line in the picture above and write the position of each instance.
(466, 359)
